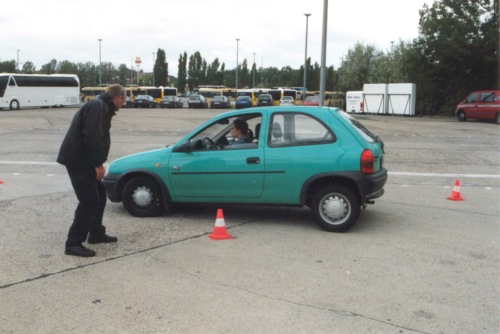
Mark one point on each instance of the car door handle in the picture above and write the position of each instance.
(253, 160)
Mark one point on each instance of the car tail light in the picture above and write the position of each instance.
(367, 162)
(362, 106)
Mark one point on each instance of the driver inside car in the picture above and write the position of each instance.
(240, 132)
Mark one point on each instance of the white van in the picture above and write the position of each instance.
(354, 102)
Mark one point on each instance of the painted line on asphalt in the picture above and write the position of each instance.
(486, 176)
(494, 176)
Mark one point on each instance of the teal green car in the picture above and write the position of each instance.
(317, 157)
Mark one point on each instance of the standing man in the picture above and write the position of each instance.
(84, 151)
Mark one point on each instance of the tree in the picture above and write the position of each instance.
(181, 73)
(195, 70)
(160, 69)
(212, 73)
(354, 70)
(124, 75)
(459, 43)
(28, 68)
(66, 67)
(86, 74)
(244, 75)
(50, 67)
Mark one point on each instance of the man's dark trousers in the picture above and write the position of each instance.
(91, 196)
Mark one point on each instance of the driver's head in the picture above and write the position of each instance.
(240, 127)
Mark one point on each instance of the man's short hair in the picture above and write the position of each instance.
(115, 90)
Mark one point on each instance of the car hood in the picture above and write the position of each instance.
(144, 160)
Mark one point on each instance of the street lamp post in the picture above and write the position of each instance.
(261, 70)
(138, 62)
(17, 64)
(237, 51)
(153, 68)
(322, 73)
(100, 68)
(305, 58)
(254, 69)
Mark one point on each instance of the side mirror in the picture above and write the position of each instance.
(188, 146)
(185, 147)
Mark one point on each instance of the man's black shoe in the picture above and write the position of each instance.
(101, 239)
(79, 250)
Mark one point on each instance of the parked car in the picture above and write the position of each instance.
(144, 101)
(243, 102)
(220, 102)
(480, 105)
(311, 101)
(287, 101)
(326, 161)
(265, 100)
(171, 102)
(197, 101)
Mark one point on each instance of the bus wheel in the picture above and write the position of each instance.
(14, 105)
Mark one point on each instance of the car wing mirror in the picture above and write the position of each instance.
(187, 146)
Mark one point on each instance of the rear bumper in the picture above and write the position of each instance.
(372, 186)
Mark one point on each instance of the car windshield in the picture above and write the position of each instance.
(218, 98)
(142, 97)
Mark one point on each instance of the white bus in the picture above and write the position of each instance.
(38, 90)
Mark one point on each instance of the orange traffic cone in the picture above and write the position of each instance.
(455, 194)
(220, 232)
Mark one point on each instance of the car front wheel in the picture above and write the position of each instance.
(497, 118)
(142, 197)
(335, 208)
(461, 116)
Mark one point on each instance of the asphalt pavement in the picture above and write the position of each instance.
(415, 262)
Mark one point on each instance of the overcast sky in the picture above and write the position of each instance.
(39, 31)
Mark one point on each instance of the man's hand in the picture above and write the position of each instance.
(99, 172)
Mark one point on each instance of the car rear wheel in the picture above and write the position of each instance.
(335, 208)
(497, 118)
(461, 116)
(142, 197)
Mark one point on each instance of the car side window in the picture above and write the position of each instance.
(488, 97)
(472, 98)
(297, 129)
(217, 136)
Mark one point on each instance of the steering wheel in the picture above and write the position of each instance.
(208, 143)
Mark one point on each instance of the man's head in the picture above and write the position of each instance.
(117, 94)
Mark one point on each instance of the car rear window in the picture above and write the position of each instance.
(360, 128)
(298, 129)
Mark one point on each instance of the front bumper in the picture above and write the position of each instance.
(110, 182)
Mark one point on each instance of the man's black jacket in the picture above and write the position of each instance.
(88, 141)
